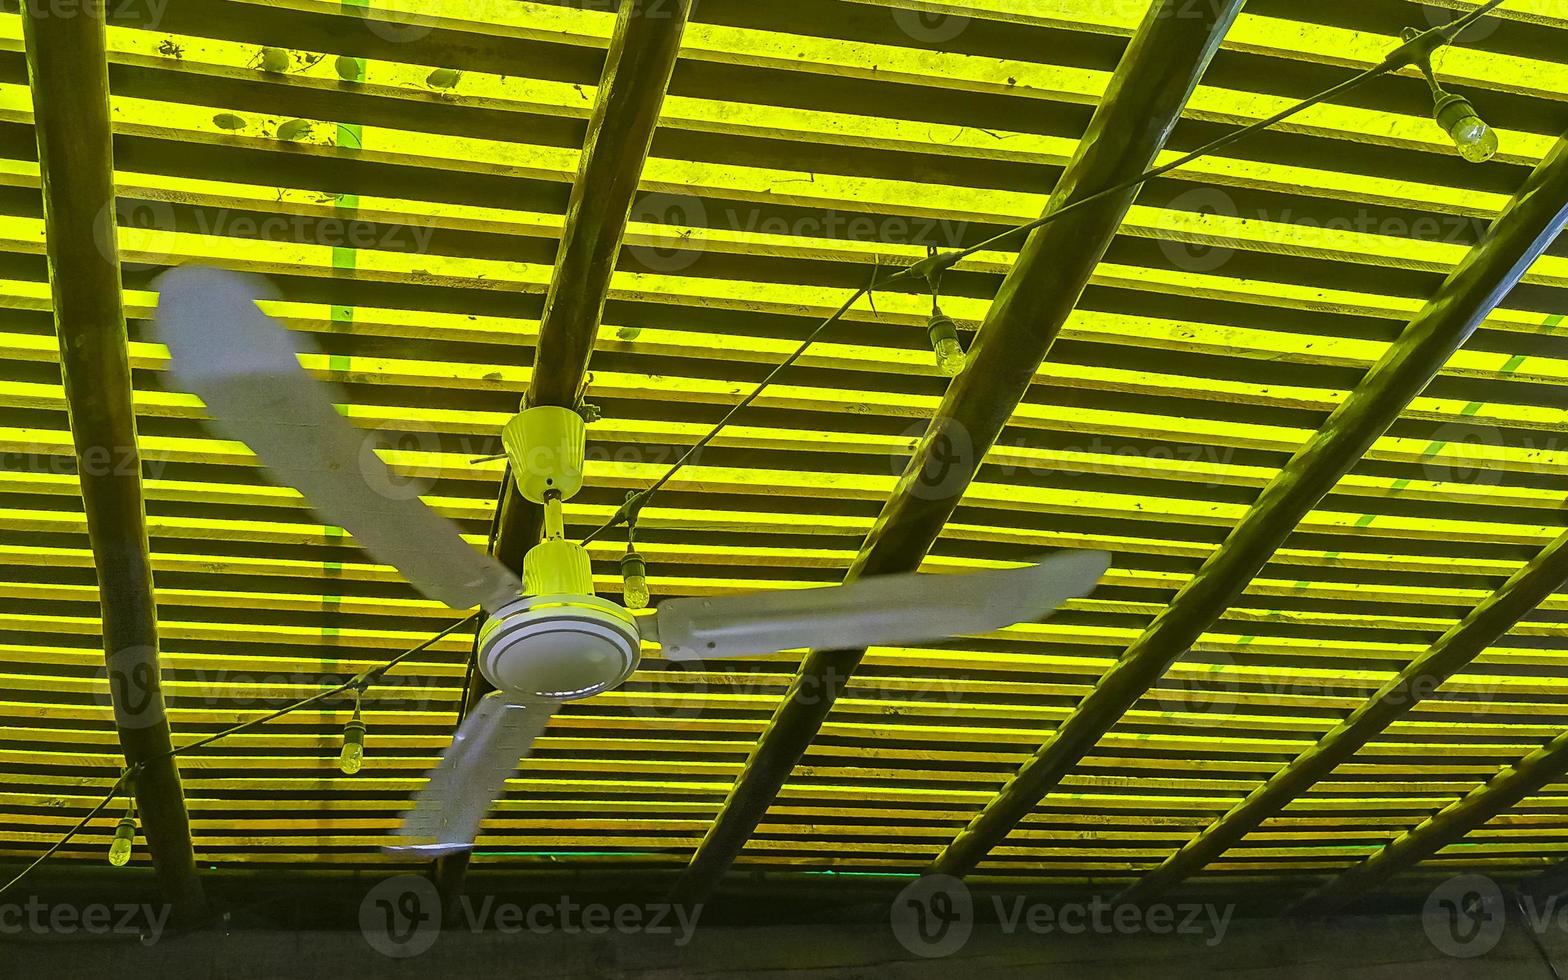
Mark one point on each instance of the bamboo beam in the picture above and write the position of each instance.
(1151, 85)
(637, 69)
(1525, 229)
(1448, 826)
(68, 72)
(1461, 644)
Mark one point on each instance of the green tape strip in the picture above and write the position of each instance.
(349, 136)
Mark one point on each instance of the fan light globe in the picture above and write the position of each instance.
(559, 647)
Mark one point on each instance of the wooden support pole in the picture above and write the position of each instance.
(68, 71)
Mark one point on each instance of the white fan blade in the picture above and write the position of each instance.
(242, 365)
(473, 772)
(877, 611)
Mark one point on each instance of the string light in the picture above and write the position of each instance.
(1476, 141)
(950, 357)
(634, 570)
(125, 831)
(634, 580)
(940, 329)
(352, 758)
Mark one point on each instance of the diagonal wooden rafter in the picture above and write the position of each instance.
(1453, 651)
(1155, 78)
(1529, 775)
(1525, 229)
(637, 69)
(68, 72)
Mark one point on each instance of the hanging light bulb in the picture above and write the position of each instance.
(1477, 142)
(352, 758)
(634, 580)
(950, 357)
(125, 831)
(634, 571)
(124, 841)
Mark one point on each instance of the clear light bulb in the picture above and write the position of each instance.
(637, 592)
(1476, 140)
(634, 581)
(352, 758)
(950, 357)
(124, 841)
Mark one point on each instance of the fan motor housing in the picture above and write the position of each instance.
(559, 647)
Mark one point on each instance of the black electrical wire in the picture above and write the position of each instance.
(641, 498)
(1411, 52)
(113, 792)
(1540, 947)
(357, 683)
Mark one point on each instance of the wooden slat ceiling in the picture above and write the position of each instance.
(802, 144)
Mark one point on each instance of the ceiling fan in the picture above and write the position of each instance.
(548, 639)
